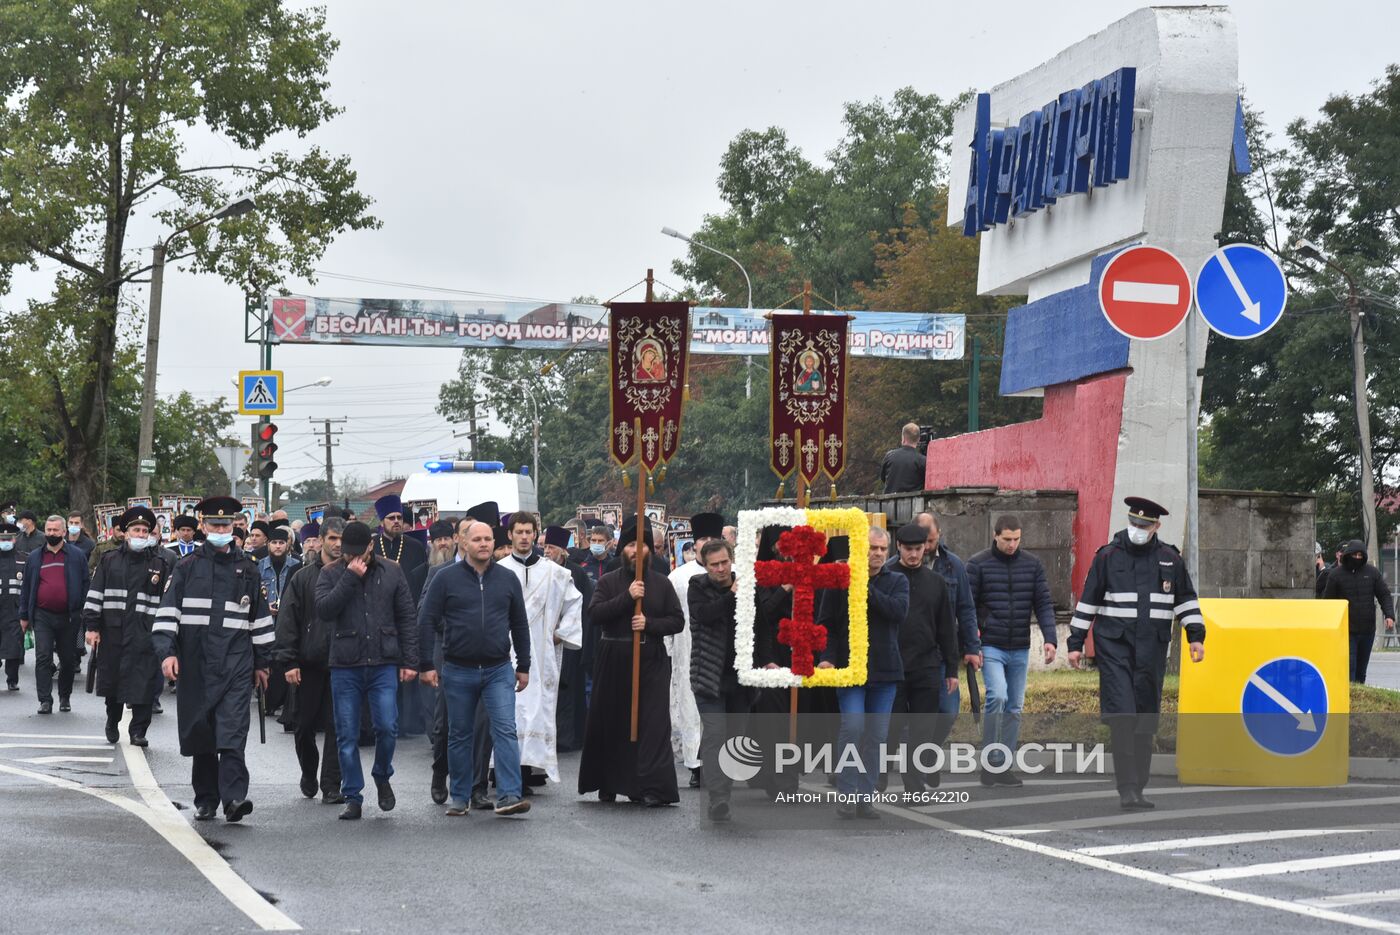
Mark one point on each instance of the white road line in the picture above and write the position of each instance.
(67, 759)
(1173, 814)
(1212, 840)
(1106, 795)
(1098, 863)
(166, 819)
(57, 736)
(1354, 899)
(56, 746)
(1153, 293)
(1291, 866)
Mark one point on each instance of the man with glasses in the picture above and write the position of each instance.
(391, 543)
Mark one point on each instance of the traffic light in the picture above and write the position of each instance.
(264, 448)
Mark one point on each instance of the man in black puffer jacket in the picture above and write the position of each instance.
(304, 649)
(718, 695)
(1008, 585)
(1361, 585)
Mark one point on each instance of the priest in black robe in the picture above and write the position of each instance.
(392, 543)
(612, 764)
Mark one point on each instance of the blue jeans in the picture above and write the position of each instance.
(350, 687)
(1004, 678)
(949, 701)
(464, 686)
(865, 723)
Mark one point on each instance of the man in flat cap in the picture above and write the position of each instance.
(214, 634)
(121, 607)
(1136, 586)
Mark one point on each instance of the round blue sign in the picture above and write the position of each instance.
(1241, 291)
(1285, 706)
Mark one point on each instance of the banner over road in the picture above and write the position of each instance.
(560, 326)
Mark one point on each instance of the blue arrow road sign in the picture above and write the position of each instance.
(1285, 706)
(1241, 291)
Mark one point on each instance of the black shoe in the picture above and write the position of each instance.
(481, 803)
(1143, 803)
(332, 798)
(845, 810)
(696, 779)
(866, 810)
(439, 787)
(309, 786)
(987, 779)
(386, 796)
(156, 708)
(1008, 778)
(1128, 800)
(139, 740)
(932, 780)
(111, 731)
(46, 707)
(205, 812)
(63, 705)
(12, 687)
(653, 801)
(237, 810)
(607, 796)
(719, 811)
(351, 812)
(512, 805)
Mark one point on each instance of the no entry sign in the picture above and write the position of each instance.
(1145, 292)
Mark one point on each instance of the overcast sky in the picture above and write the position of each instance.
(536, 149)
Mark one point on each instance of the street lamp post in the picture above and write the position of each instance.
(148, 384)
(1358, 384)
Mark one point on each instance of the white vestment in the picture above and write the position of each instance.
(554, 608)
(685, 716)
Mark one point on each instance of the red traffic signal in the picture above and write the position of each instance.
(264, 448)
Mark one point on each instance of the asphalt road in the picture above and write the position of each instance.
(86, 847)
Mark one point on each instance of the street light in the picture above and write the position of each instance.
(1304, 247)
(148, 386)
(324, 381)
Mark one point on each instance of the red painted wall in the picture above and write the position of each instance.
(1073, 446)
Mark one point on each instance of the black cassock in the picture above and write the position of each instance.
(611, 763)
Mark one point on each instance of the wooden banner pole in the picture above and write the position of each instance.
(640, 561)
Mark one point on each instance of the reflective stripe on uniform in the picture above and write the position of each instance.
(1184, 606)
(1159, 598)
(201, 602)
(1122, 597)
(194, 620)
(267, 637)
(1083, 608)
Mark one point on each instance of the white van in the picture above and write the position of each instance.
(459, 485)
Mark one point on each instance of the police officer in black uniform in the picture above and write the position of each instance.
(121, 606)
(215, 634)
(11, 577)
(1136, 585)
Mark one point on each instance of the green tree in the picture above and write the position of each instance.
(98, 103)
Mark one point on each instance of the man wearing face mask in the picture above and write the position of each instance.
(11, 635)
(31, 538)
(52, 593)
(1362, 586)
(78, 535)
(1136, 585)
(120, 609)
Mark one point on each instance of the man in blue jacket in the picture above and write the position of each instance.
(1008, 585)
(51, 599)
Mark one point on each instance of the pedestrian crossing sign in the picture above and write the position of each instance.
(259, 392)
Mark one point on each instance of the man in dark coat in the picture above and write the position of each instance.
(214, 634)
(121, 607)
(1136, 585)
(1362, 585)
(612, 765)
(303, 647)
(11, 577)
(52, 595)
(903, 470)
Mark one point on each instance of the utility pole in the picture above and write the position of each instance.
(329, 444)
(471, 427)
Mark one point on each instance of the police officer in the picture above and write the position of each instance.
(121, 606)
(214, 633)
(1136, 585)
(11, 577)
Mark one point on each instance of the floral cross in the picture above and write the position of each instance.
(804, 546)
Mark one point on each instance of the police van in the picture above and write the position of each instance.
(459, 485)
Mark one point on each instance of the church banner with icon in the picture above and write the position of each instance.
(807, 406)
(648, 348)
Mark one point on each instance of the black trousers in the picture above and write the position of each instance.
(481, 744)
(219, 778)
(54, 633)
(140, 717)
(12, 670)
(720, 719)
(315, 711)
(1360, 646)
(916, 720)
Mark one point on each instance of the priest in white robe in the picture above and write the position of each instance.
(554, 608)
(685, 716)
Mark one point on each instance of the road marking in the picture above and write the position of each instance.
(1304, 718)
(1104, 821)
(67, 759)
(1137, 873)
(1291, 866)
(1354, 899)
(1153, 293)
(55, 746)
(1056, 797)
(1213, 840)
(171, 825)
(57, 736)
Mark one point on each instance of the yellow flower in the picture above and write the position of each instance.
(855, 525)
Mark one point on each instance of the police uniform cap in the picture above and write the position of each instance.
(137, 514)
(9, 529)
(1144, 512)
(218, 508)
